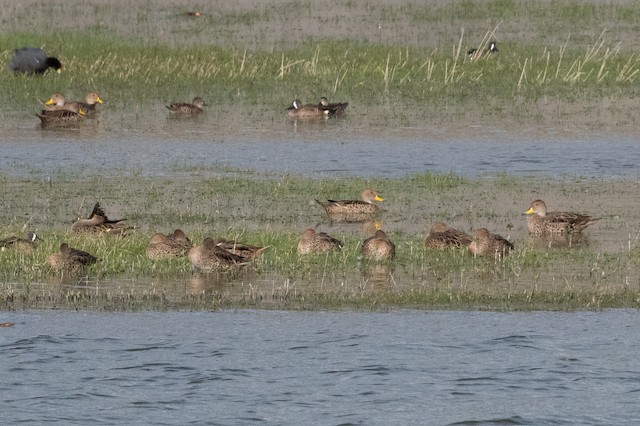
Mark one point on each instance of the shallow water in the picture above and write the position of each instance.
(165, 147)
(274, 367)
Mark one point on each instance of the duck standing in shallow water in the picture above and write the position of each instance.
(182, 109)
(68, 258)
(441, 236)
(540, 222)
(32, 60)
(378, 247)
(485, 242)
(353, 210)
(318, 243)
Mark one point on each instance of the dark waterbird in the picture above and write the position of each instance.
(32, 60)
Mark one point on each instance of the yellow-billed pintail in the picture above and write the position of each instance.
(487, 243)
(210, 257)
(541, 222)
(378, 247)
(441, 236)
(99, 223)
(68, 258)
(365, 205)
(313, 242)
(163, 246)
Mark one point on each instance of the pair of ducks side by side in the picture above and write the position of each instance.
(99, 223)
(324, 109)
(377, 247)
(184, 109)
(213, 254)
(483, 242)
(58, 112)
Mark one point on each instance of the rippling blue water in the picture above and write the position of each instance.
(269, 367)
(321, 150)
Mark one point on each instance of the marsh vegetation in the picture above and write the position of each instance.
(398, 64)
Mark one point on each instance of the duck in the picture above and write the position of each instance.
(485, 242)
(25, 244)
(241, 249)
(187, 109)
(308, 111)
(71, 116)
(68, 258)
(313, 242)
(58, 102)
(163, 246)
(475, 53)
(210, 257)
(90, 101)
(98, 223)
(335, 109)
(32, 60)
(441, 236)
(540, 222)
(378, 247)
(364, 206)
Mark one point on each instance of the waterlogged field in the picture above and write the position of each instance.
(600, 269)
(562, 68)
(398, 63)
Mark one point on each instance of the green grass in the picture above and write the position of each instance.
(271, 210)
(512, 82)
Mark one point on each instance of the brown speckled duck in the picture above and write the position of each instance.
(241, 249)
(187, 109)
(69, 116)
(441, 236)
(69, 258)
(364, 206)
(378, 247)
(98, 223)
(163, 246)
(313, 242)
(487, 243)
(540, 222)
(210, 257)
